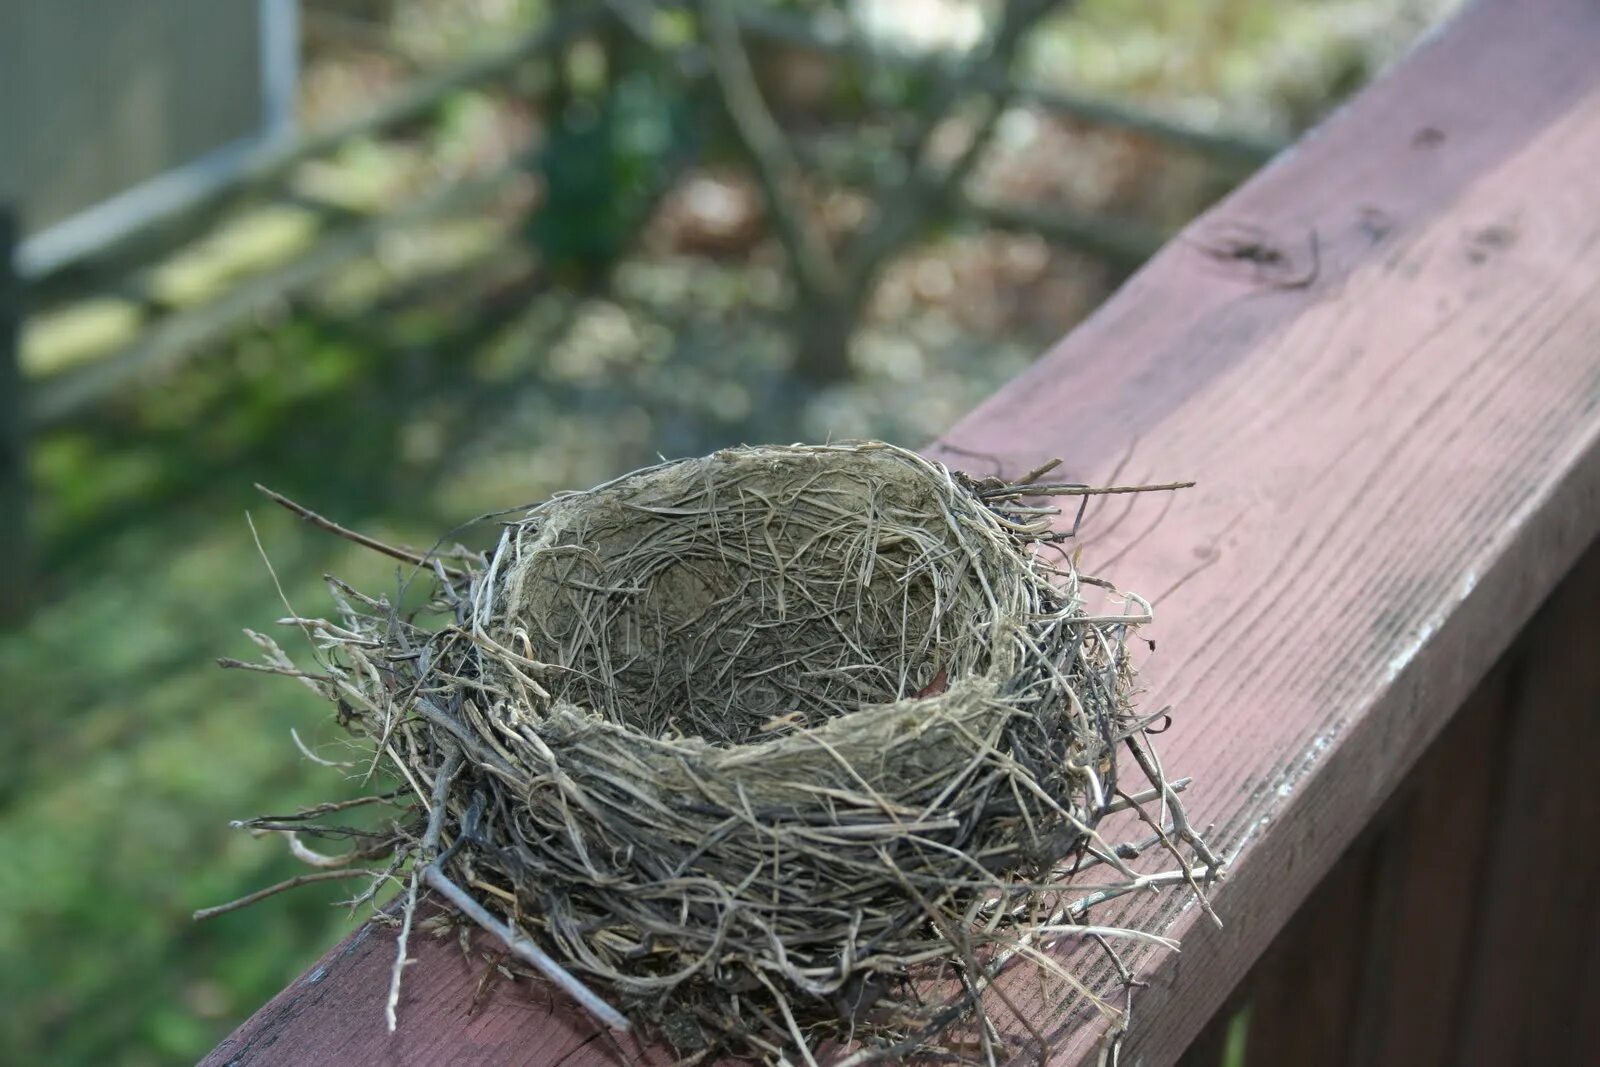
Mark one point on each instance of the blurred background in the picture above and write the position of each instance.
(408, 261)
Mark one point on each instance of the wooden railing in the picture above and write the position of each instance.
(1381, 361)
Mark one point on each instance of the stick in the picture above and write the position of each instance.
(768, 146)
(1072, 489)
(525, 949)
(290, 883)
(405, 555)
(1148, 795)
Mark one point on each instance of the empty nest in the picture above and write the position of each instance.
(776, 751)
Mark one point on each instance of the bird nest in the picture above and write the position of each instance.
(769, 751)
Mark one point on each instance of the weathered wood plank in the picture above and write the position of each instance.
(1378, 964)
(1395, 421)
(1398, 458)
(449, 1013)
(1372, 968)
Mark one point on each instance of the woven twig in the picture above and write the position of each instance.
(775, 751)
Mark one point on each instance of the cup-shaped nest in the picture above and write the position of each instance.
(774, 747)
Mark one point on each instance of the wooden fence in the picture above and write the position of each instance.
(1381, 360)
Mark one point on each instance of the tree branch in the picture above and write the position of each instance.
(928, 187)
(1236, 147)
(777, 170)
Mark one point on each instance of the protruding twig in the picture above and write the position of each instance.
(405, 555)
(287, 884)
(775, 165)
(228, 663)
(928, 186)
(525, 949)
(1124, 802)
(1074, 489)
(429, 846)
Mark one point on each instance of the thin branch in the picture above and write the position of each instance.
(318, 809)
(525, 949)
(405, 555)
(283, 886)
(1237, 147)
(768, 146)
(231, 664)
(1075, 489)
(927, 186)
(1124, 802)
(430, 845)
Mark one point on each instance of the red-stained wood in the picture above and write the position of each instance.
(1304, 990)
(1397, 461)
(454, 1008)
(1537, 927)
(1371, 970)
(1395, 423)
(1436, 846)
(1429, 944)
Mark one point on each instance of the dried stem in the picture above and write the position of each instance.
(405, 555)
(427, 849)
(287, 884)
(525, 949)
(1073, 489)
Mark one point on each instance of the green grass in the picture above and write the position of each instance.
(124, 750)
(126, 753)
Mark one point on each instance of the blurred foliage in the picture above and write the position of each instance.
(1261, 66)
(607, 156)
(446, 377)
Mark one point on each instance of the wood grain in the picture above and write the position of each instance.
(1371, 970)
(454, 1008)
(1395, 423)
(1396, 461)
(1436, 940)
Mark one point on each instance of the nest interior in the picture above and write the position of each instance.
(761, 747)
(728, 598)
